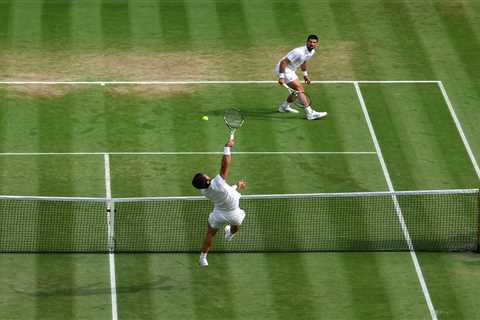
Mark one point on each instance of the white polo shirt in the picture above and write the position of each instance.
(297, 57)
(224, 197)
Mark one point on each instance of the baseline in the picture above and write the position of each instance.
(100, 82)
(182, 153)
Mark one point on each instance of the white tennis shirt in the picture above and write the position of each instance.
(224, 197)
(297, 57)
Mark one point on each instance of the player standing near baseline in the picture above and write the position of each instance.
(226, 200)
(285, 70)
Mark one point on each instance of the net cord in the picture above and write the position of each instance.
(252, 196)
(311, 195)
(51, 198)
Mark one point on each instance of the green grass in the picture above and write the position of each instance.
(280, 286)
(235, 40)
(54, 286)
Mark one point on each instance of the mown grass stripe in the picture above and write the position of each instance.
(56, 20)
(350, 27)
(116, 24)
(50, 121)
(397, 207)
(6, 17)
(233, 25)
(26, 25)
(413, 53)
(463, 38)
(145, 29)
(175, 14)
(290, 21)
(86, 25)
(460, 130)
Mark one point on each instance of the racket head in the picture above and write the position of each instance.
(301, 99)
(234, 118)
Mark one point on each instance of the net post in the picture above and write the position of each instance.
(478, 221)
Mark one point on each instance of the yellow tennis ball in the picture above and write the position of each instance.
(205, 118)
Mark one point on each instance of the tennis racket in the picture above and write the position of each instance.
(234, 119)
(300, 99)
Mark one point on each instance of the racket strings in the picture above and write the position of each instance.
(298, 100)
(233, 118)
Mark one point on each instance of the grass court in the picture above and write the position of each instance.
(186, 59)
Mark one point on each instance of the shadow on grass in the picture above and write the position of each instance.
(98, 289)
(272, 115)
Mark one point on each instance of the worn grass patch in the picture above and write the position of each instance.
(333, 61)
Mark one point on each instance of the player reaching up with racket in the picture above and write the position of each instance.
(226, 211)
(285, 70)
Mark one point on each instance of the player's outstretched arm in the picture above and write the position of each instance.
(227, 159)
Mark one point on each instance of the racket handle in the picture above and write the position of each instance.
(232, 135)
(290, 90)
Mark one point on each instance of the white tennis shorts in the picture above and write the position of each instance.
(218, 218)
(290, 75)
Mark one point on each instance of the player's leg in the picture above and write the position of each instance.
(230, 231)
(215, 221)
(290, 76)
(297, 86)
(309, 112)
(207, 243)
(235, 220)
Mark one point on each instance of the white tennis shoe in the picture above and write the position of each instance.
(314, 115)
(228, 233)
(202, 261)
(285, 107)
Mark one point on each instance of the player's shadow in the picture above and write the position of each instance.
(162, 283)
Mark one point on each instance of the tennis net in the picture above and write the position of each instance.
(434, 220)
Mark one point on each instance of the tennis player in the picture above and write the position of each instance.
(286, 69)
(226, 211)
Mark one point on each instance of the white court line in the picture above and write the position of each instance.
(398, 210)
(460, 130)
(182, 153)
(110, 230)
(204, 82)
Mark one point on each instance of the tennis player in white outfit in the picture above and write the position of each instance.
(286, 69)
(226, 211)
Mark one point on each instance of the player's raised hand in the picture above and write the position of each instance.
(241, 184)
(230, 143)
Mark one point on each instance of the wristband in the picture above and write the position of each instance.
(305, 73)
(281, 75)
(226, 151)
(235, 186)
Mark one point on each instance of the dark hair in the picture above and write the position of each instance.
(312, 36)
(199, 181)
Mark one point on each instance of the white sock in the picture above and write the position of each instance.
(308, 110)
